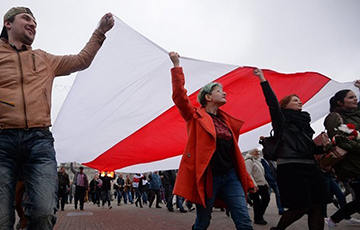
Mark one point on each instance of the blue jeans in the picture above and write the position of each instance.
(275, 188)
(32, 153)
(144, 197)
(229, 188)
(119, 193)
(179, 202)
(335, 189)
(127, 195)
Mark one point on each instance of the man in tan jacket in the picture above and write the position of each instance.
(26, 144)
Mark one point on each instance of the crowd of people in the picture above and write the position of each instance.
(105, 187)
(213, 172)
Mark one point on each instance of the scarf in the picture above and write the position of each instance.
(350, 116)
(300, 119)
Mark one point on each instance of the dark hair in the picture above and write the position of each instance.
(4, 33)
(339, 96)
(285, 100)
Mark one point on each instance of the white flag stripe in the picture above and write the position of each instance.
(131, 76)
(127, 86)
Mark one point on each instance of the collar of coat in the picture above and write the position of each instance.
(206, 121)
(9, 46)
(251, 157)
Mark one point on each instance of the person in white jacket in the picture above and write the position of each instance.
(261, 197)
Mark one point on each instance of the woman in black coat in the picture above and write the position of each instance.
(302, 188)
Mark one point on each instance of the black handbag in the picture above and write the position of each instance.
(271, 146)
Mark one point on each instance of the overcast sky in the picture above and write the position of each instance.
(282, 35)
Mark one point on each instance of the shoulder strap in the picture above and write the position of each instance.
(281, 130)
(340, 118)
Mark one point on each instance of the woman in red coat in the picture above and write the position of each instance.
(212, 165)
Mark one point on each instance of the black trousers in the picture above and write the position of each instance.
(351, 207)
(261, 200)
(154, 193)
(62, 195)
(79, 196)
(169, 196)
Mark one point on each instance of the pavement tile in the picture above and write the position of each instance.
(130, 217)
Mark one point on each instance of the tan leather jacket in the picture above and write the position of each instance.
(26, 79)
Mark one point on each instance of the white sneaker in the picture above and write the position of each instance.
(329, 224)
(353, 222)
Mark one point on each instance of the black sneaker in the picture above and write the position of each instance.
(261, 222)
(227, 213)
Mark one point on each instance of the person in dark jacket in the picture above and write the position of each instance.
(95, 189)
(302, 188)
(270, 176)
(344, 109)
(119, 186)
(155, 186)
(105, 189)
(64, 187)
(169, 177)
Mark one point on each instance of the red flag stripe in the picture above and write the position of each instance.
(165, 136)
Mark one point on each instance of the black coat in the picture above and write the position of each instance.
(296, 136)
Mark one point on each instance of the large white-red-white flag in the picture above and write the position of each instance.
(119, 113)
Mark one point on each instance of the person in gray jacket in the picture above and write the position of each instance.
(81, 182)
(261, 197)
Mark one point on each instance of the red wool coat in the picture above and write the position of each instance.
(201, 145)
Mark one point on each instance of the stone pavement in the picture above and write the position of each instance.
(130, 217)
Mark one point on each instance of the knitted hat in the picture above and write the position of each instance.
(17, 10)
